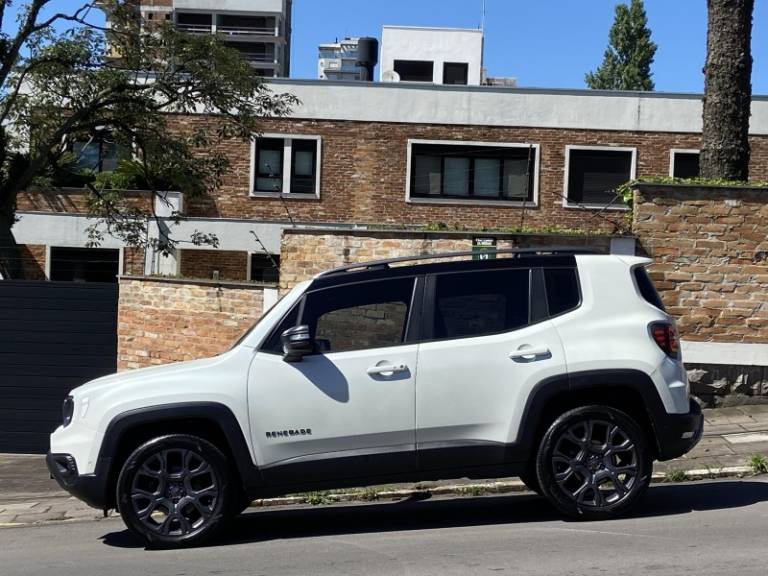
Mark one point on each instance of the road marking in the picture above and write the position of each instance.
(746, 438)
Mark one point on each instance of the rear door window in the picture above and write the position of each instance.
(479, 303)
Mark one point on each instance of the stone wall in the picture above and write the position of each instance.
(307, 252)
(710, 253)
(162, 321)
(32, 261)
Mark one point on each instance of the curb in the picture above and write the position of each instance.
(476, 489)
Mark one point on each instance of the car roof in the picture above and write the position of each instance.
(449, 262)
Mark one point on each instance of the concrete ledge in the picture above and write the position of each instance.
(726, 353)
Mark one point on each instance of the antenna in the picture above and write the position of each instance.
(482, 17)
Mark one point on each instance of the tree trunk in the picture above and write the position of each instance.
(727, 90)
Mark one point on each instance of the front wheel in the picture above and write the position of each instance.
(175, 491)
(594, 463)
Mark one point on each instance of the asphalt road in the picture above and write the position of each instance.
(703, 528)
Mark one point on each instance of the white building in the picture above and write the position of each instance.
(259, 29)
(338, 60)
(435, 55)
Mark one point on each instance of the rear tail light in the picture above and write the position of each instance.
(665, 336)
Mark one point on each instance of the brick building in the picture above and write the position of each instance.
(404, 156)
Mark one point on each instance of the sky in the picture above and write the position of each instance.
(542, 43)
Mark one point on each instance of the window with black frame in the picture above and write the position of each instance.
(96, 154)
(303, 166)
(286, 165)
(594, 175)
(473, 172)
(685, 164)
(269, 165)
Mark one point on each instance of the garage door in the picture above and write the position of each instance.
(54, 336)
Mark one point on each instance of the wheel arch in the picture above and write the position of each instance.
(630, 391)
(209, 420)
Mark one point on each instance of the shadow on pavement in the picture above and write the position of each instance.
(276, 524)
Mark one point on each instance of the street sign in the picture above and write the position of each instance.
(484, 248)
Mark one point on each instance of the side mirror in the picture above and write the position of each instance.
(297, 343)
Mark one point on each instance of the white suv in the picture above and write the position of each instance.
(557, 366)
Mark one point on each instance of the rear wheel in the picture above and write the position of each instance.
(175, 491)
(594, 463)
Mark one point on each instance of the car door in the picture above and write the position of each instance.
(348, 409)
(488, 342)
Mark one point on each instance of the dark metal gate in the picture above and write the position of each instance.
(54, 336)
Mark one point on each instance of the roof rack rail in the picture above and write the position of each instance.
(519, 252)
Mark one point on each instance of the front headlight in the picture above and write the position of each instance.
(67, 410)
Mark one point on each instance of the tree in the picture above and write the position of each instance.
(65, 79)
(727, 90)
(628, 58)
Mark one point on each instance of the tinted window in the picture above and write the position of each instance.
(359, 316)
(477, 303)
(686, 165)
(303, 166)
(562, 290)
(647, 289)
(473, 171)
(594, 175)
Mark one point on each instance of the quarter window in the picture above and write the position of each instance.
(479, 172)
(286, 166)
(595, 174)
(480, 303)
(359, 316)
(562, 290)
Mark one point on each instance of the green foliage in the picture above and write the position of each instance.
(676, 476)
(630, 52)
(318, 498)
(65, 79)
(758, 463)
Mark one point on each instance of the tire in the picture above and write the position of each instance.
(594, 463)
(176, 491)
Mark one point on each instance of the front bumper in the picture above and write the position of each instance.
(90, 488)
(677, 434)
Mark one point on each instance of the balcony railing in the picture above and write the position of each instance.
(247, 30)
(195, 28)
(258, 57)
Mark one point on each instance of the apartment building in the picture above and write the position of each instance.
(259, 29)
(348, 59)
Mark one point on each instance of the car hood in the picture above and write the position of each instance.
(155, 373)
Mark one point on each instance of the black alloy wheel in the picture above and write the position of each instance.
(175, 491)
(594, 463)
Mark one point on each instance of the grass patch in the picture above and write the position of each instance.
(758, 463)
(318, 498)
(676, 476)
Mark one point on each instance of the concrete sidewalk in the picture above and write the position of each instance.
(731, 437)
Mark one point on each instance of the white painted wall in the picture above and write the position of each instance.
(231, 5)
(492, 106)
(438, 45)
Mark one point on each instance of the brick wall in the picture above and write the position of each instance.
(231, 264)
(32, 261)
(162, 321)
(72, 200)
(710, 249)
(363, 174)
(133, 261)
(304, 253)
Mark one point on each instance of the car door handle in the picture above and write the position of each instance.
(386, 369)
(530, 353)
